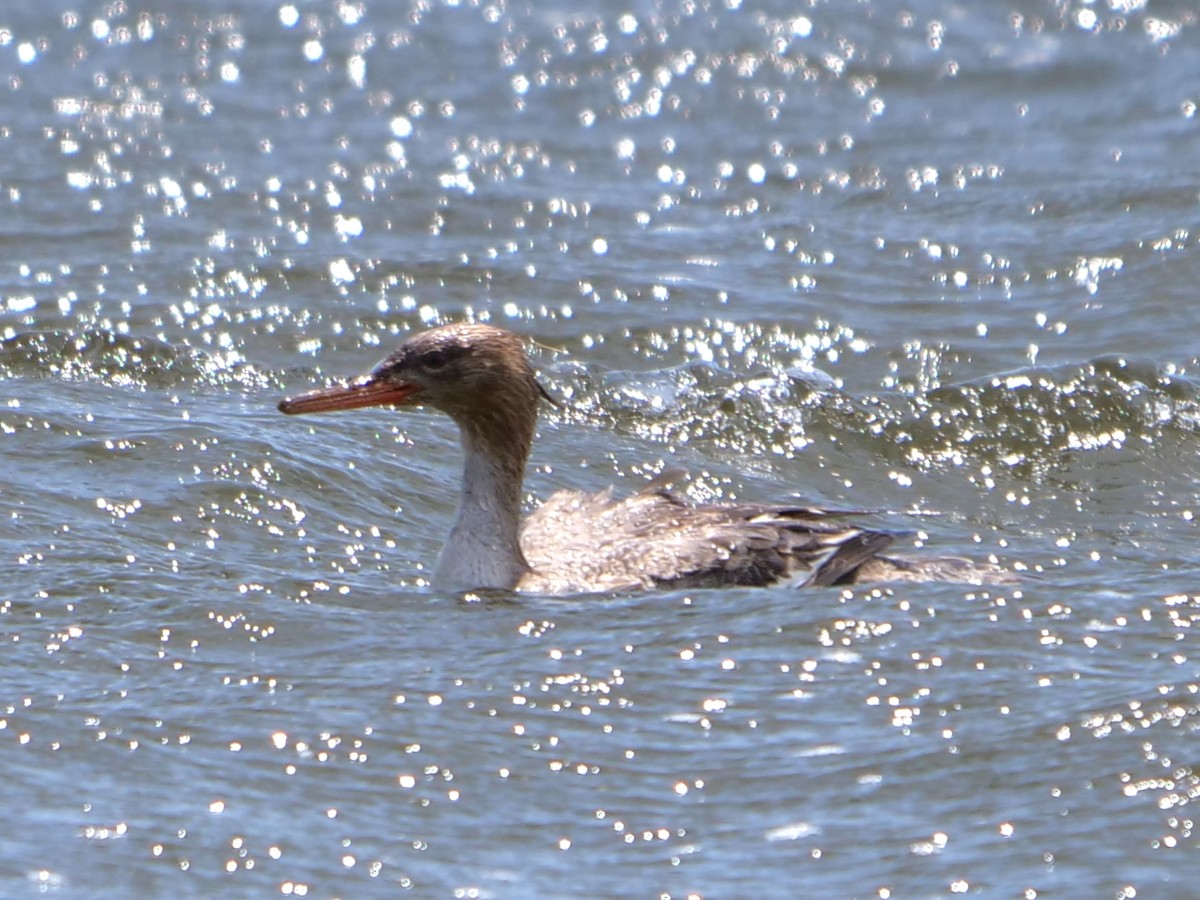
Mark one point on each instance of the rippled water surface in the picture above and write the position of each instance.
(939, 261)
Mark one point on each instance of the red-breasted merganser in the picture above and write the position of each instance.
(580, 542)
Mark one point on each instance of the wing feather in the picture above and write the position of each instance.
(581, 541)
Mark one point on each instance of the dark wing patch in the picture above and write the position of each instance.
(848, 556)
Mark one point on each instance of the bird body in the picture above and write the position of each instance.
(580, 542)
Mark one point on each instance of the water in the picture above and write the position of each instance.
(939, 262)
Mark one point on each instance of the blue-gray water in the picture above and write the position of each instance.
(940, 260)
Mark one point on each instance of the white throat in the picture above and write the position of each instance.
(483, 549)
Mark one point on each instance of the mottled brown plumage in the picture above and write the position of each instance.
(656, 538)
(580, 542)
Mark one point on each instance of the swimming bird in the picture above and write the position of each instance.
(579, 542)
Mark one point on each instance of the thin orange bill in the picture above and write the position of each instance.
(367, 391)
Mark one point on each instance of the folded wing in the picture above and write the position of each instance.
(588, 541)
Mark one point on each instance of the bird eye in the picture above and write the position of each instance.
(435, 359)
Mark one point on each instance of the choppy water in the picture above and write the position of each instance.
(940, 261)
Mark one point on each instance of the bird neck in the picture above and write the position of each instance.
(484, 549)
